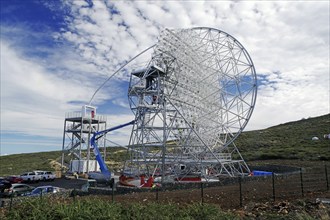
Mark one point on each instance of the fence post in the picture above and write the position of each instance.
(301, 183)
(11, 201)
(156, 193)
(2, 202)
(273, 184)
(202, 192)
(111, 183)
(112, 193)
(326, 176)
(240, 191)
(73, 194)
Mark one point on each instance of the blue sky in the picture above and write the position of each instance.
(55, 54)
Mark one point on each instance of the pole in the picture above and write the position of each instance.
(202, 192)
(11, 201)
(240, 192)
(326, 176)
(88, 145)
(164, 141)
(273, 183)
(63, 142)
(301, 183)
(112, 193)
(157, 193)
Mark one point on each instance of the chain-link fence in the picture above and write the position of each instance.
(236, 192)
(230, 192)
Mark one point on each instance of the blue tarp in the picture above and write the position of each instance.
(261, 173)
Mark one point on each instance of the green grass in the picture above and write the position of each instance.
(50, 208)
(291, 140)
(90, 208)
(16, 164)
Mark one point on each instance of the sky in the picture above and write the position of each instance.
(56, 53)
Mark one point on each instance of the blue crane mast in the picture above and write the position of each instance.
(103, 167)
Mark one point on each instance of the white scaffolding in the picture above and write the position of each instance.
(78, 128)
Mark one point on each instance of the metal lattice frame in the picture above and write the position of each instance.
(191, 101)
(78, 128)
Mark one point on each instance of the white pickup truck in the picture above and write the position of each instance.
(31, 177)
(46, 175)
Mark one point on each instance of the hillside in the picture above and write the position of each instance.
(18, 163)
(292, 140)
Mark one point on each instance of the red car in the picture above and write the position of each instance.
(14, 179)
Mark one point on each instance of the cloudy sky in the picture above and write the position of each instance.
(55, 54)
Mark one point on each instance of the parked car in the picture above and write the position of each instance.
(41, 190)
(18, 189)
(31, 177)
(45, 175)
(14, 179)
(4, 184)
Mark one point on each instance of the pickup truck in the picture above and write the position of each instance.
(45, 175)
(31, 177)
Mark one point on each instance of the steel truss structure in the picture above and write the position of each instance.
(191, 101)
(79, 127)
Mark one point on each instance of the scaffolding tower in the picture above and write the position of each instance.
(79, 126)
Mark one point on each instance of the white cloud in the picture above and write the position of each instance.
(36, 95)
(33, 100)
(288, 43)
(290, 38)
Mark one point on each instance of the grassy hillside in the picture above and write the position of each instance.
(19, 163)
(16, 164)
(291, 140)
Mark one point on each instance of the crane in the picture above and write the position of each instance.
(103, 167)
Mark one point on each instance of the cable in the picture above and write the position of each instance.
(90, 101)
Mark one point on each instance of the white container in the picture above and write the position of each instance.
(80, 166)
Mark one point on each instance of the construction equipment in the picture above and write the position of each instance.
(105, 172)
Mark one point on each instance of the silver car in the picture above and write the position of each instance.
(18, 189)
(42, 190)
